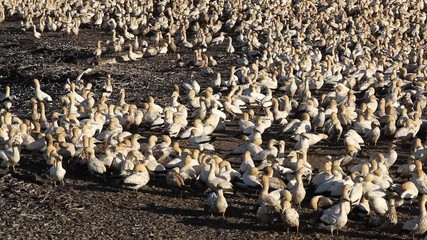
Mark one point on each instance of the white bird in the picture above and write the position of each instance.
(194, 85)
(78, 81)
(267, 197)
(138, 179)
(356, 191)
(11, 154)
(227, 172)
(371, 189)
(390, 156)
(323, 176)
(6, 99)
(378, 204)
(214, 181)
(332, 185)
(353, 138)
(266, 213)
(201, 141)
(362, 208)
(250, 178)
(215, 83)
(230, 48)
(231, 109)
(272, 150)
(217, 202)
(57, 172)
(305, 140)
(95, 166)
(419, 178)
(334, 221)
(245, 124)
(418, 225)
(406, 191)
(289, 215)
(218, 40)
(247, 162)
(35, 33)
(40, 95)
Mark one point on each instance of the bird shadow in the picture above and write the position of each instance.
(174, 211)
(96, 187)
(216, 223)
(349, 233)
(231, 223)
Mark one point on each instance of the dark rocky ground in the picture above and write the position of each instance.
(86, 207)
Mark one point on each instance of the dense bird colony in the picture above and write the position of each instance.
(338, 73)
